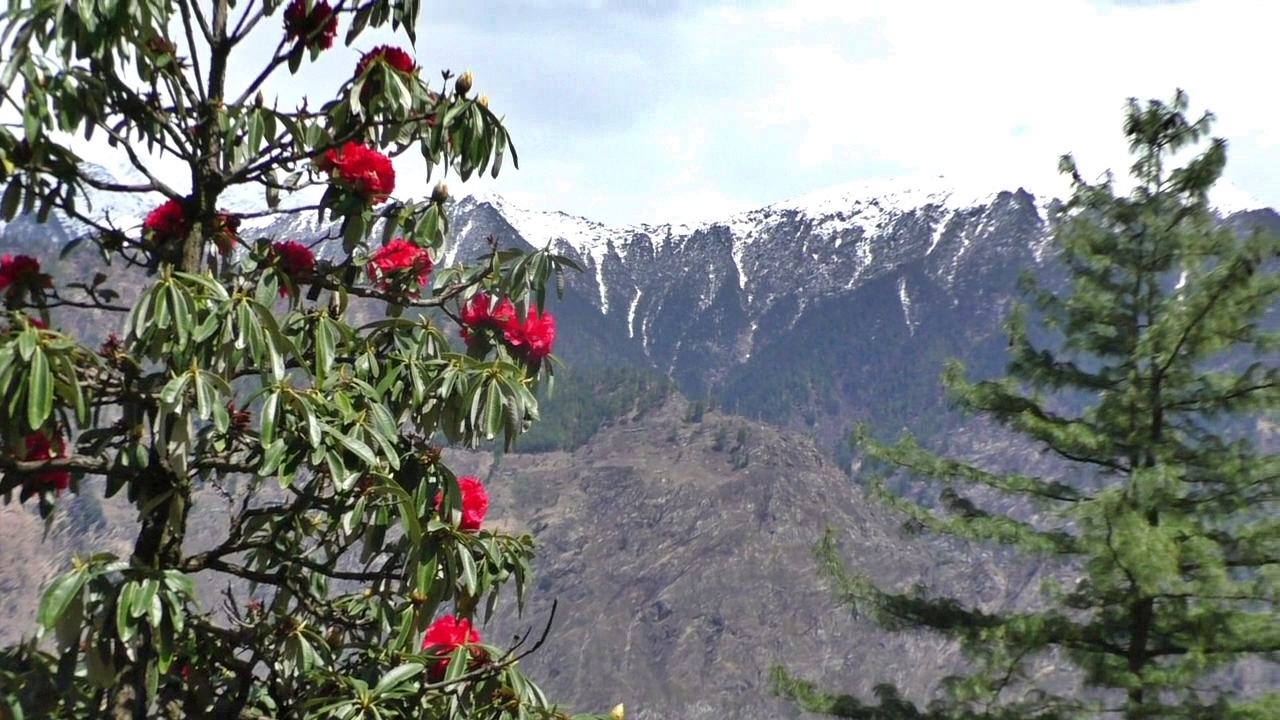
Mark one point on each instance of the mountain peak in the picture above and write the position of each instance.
(903, 193)
(1228, 199)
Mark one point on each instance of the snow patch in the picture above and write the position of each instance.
(1228, 199)
(868, 202)
(541, 229)
(939, 228)
(631, 314)
(905, 298)
(451, 254)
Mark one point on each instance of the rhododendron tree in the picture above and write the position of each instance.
(299, 387)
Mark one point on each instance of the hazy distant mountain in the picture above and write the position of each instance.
(836, 306)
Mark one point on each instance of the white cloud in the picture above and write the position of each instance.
(958, 79)
(624, 116)
(692, 206)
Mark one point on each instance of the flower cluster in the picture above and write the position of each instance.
(481, 312)
(294, 259)
(168, 222)
(530, 337)
(40, 446)
(392, 57)
(21, 272)
(361, 169)
(475, 503)
(317, 27)
(446, 634)
(397, 256)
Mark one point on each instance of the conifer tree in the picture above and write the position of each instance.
(1148, 376)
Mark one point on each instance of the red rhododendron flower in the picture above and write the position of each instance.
(295, 259)
(168, 222)
(394, 57)
(363, 169)
(533, 336)
(446, 634)
(21, 271)
(399, 255)
(320, 25)
(475, 502)
(40, 447)
(480, 312)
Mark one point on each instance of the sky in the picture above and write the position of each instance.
(628, 111)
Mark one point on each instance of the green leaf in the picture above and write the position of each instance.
(267, 421)
(492, 411)
(256, 130)
(180, 584)
(165, 645)
(326, 348)
(67, 631)
(408, 513)
(39, 391)
(27, 345)
(141, 603)
(173, 390)
(359, 22)
(58, 596)
(468, 568)
(356, 446)
(12, 197)
(353, 230)
(295, 57)
(314, 426)
(397, 676)
(206, 395)
(124, 604)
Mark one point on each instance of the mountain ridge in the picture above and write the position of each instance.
(809, 313)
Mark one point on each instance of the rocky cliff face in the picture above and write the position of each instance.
(680, 555)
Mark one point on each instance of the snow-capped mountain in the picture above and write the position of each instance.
(813, 310)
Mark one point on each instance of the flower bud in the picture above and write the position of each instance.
(483, 100)
(440, 193)
(258, 99)
(463, 83)
(617, 712)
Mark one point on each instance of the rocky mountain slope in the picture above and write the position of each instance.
(678, 551)
(680, 554)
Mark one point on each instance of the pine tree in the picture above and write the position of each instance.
(1148, 376)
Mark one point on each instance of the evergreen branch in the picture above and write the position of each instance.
(908, 454)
